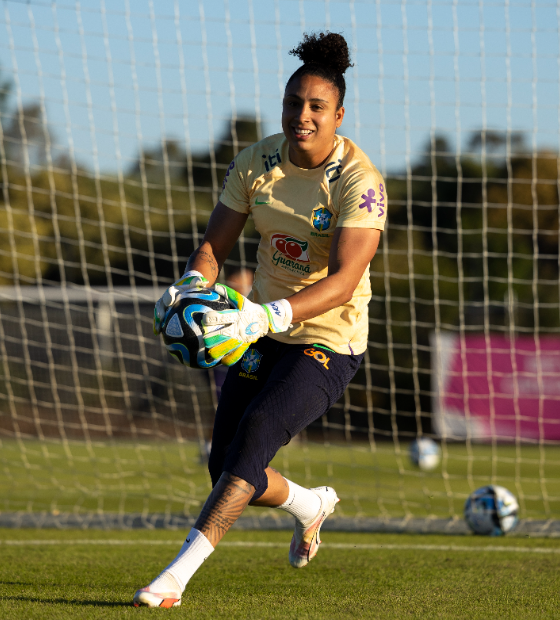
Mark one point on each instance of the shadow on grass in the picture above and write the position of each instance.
(66, 601)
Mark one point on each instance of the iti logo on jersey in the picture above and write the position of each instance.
(251, 361)
(333, 170)
(292, 248)
(271, 160)
(321, 218)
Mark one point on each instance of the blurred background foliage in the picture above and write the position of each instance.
(60, 222)
(472, 240)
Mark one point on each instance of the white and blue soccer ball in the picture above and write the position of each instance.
(425, 453)
(491, 511)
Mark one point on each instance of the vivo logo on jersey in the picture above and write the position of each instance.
(369, 200)
(231, 167)
(372, 203)
(291, 247)
(381, 204)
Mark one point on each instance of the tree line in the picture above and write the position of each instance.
(472, 239)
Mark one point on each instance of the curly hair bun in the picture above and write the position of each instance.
(325, 48)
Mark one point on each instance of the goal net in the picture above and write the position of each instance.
(117, 124)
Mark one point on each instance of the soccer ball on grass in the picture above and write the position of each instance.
(491, 511)
(182, 326)
(424, 453)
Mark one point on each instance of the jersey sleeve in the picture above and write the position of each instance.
(363, 201)
(235, 194)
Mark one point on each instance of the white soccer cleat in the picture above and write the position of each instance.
(305, 541)
(156, 599)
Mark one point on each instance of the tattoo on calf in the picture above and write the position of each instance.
(228, 500)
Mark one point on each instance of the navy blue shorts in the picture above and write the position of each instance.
(273, 393)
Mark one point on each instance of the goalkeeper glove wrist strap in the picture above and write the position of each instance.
(280, 315)
(190, 273)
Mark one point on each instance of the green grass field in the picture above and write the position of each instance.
(93, 574)
(158, 477)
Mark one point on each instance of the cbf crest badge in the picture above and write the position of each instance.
(250, 362)
(321, 218)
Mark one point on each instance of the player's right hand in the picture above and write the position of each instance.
(228, 333)
(190, 279)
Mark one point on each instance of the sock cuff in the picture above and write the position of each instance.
(304, 504)
(194, 552)
(198, 539)
(291, 495)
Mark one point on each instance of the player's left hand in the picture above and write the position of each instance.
(190, 279)
(228, 334)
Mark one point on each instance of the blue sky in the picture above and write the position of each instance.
(117, 75)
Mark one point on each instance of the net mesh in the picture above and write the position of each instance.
(117, 124)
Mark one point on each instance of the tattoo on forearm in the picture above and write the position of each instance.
(207, 258)
(228, 500)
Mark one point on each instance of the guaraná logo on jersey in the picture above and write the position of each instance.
(290, 253)
(293, 248)
(251, 361)
(321, 218)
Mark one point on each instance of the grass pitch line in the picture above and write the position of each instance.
(249, 545)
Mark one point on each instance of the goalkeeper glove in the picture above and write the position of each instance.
(228, 334)
(190, 279)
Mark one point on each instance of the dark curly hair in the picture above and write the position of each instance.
(325, 55)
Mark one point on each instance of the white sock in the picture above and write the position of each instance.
(175, 577)
(301, 502)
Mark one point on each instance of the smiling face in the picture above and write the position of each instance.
(309, 119)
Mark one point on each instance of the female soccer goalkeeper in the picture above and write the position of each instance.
(319, 206)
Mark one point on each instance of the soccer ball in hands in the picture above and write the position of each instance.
(491, 511)
(424, 453)
(182, 326)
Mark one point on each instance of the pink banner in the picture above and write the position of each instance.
(494, 387)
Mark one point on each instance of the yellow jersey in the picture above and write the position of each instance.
(296, 212)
